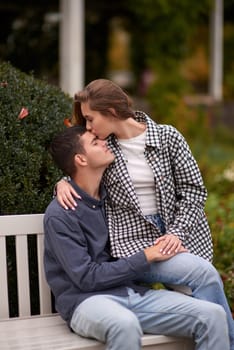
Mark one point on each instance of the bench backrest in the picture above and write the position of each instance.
(19, 228)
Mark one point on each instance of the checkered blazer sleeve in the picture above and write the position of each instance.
(190, 191)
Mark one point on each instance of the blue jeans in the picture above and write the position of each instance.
(198, 274)
(120, 321)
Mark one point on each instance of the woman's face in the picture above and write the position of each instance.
(100, 125)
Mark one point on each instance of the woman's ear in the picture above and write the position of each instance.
(112, 112)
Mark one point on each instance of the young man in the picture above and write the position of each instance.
(96, 293)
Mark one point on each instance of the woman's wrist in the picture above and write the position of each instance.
(65, 178)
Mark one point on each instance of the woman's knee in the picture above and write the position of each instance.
(197, 267)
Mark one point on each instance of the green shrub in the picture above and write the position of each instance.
(27, 173)
(220, 212)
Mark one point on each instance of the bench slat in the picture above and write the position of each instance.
(12, 225)
(4, 304)
(22, 267)
(44, 290)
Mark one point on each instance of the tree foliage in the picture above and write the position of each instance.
(31, 112)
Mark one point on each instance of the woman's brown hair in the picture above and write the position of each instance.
(105, 97)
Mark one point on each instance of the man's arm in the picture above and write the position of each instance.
(69, 248)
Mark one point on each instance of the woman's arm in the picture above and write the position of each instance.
(190, 191)
(65, 194)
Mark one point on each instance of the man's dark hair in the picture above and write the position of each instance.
(65, 146)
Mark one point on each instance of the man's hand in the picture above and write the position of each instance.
(155, 252)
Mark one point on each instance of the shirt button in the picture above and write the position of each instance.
(94, 206)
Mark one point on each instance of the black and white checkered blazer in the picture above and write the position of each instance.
(179, 190)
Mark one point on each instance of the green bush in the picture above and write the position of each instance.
(215, 157)
(220, 211)
(27, 173)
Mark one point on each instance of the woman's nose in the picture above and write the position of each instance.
(88, 126)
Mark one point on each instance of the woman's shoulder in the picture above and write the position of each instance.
(165, 130)
(151, 123)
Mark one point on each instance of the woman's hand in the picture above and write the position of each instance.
(155, 252)
(171, 244)
(66, 195)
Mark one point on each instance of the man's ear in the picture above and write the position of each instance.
(81, 159)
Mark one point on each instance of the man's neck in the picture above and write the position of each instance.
(90, 183)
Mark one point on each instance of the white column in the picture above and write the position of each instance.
(216, 50)
(71, 46)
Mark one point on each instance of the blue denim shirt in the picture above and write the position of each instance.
(77, 261)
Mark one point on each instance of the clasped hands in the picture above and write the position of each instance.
(164, 248)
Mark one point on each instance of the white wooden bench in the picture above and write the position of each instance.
(46, 330)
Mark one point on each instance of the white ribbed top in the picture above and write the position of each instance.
(140, 172)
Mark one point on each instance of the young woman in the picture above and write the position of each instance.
(155, 192)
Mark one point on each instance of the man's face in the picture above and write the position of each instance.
(96, 151)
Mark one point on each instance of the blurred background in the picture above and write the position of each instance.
(176, 60)
(133, 42)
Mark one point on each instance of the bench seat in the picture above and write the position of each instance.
(51, 332)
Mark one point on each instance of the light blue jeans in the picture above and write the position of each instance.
(120, 321)
(199, 275)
